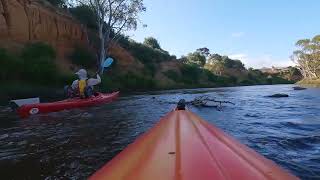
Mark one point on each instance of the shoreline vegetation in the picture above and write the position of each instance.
(39, 69)
(47, 94)
(34, 73)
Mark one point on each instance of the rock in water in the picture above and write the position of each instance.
(279, 95)
(299, 88)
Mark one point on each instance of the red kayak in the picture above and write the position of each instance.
(182, 146)
(32, 109)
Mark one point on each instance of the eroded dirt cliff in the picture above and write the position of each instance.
(35, 20)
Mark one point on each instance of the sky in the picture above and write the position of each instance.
(261, 33)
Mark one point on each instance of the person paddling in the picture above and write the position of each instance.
(83, 86)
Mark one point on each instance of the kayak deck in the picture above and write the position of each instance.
(31, 109)
(182, 146)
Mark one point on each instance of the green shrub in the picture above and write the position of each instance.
(38, 50)
(247, 82)
(136, 82)
(150, 69)
(10, 66)
(171, 74)
(211, 77)
(279, 80)
(152, 42)
(38, 64)
(84, 58)
(190, 74)
(106, 83)
(233, 80)
(127, 82)
(85, 15)
(35, 65)
(132, 81)
(144, 53)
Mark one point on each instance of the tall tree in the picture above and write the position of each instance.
(308, 57)
(204, 51)
(113, 17)
(196, 58)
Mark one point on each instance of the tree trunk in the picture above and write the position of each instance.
(107, 43)
(102, 48)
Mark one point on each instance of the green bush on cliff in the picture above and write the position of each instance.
(38, 50)
(85, 15)
(34, 65)
(190, 74)
(152, 42)
(83, 58)
(38, 64)
(10, 66)
(279, 80)
(211, 77)
(144, 53)
(127, 82)
(173, 75)
(136, 82)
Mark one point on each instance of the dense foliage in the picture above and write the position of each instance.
(127, 82)
(83, 58)
(85, 15)
(147, 55)
(35, 65)
(152, 42)
(220, 64)
(196, 59)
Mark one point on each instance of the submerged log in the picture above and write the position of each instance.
(279, 95)
(206, 101)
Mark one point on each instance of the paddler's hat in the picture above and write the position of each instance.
(82, 74)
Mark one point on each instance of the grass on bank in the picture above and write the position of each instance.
(310, 82)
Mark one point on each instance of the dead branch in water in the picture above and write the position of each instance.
(204, 101)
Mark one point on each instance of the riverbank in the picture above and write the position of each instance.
(11, 91)
(310, 82)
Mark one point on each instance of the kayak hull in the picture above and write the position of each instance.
(182, 146)
(40, 108)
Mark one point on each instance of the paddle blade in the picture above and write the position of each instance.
(107, 62)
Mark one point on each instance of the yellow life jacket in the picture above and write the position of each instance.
(82, 86)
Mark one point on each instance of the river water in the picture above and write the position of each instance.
(74, 144)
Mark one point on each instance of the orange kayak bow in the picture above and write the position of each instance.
(182, 146)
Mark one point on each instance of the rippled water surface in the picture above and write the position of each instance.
(74, 144)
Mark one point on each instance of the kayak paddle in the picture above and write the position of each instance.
(107, 63)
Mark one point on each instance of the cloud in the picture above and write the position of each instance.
(261, 60)
(237, 34)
